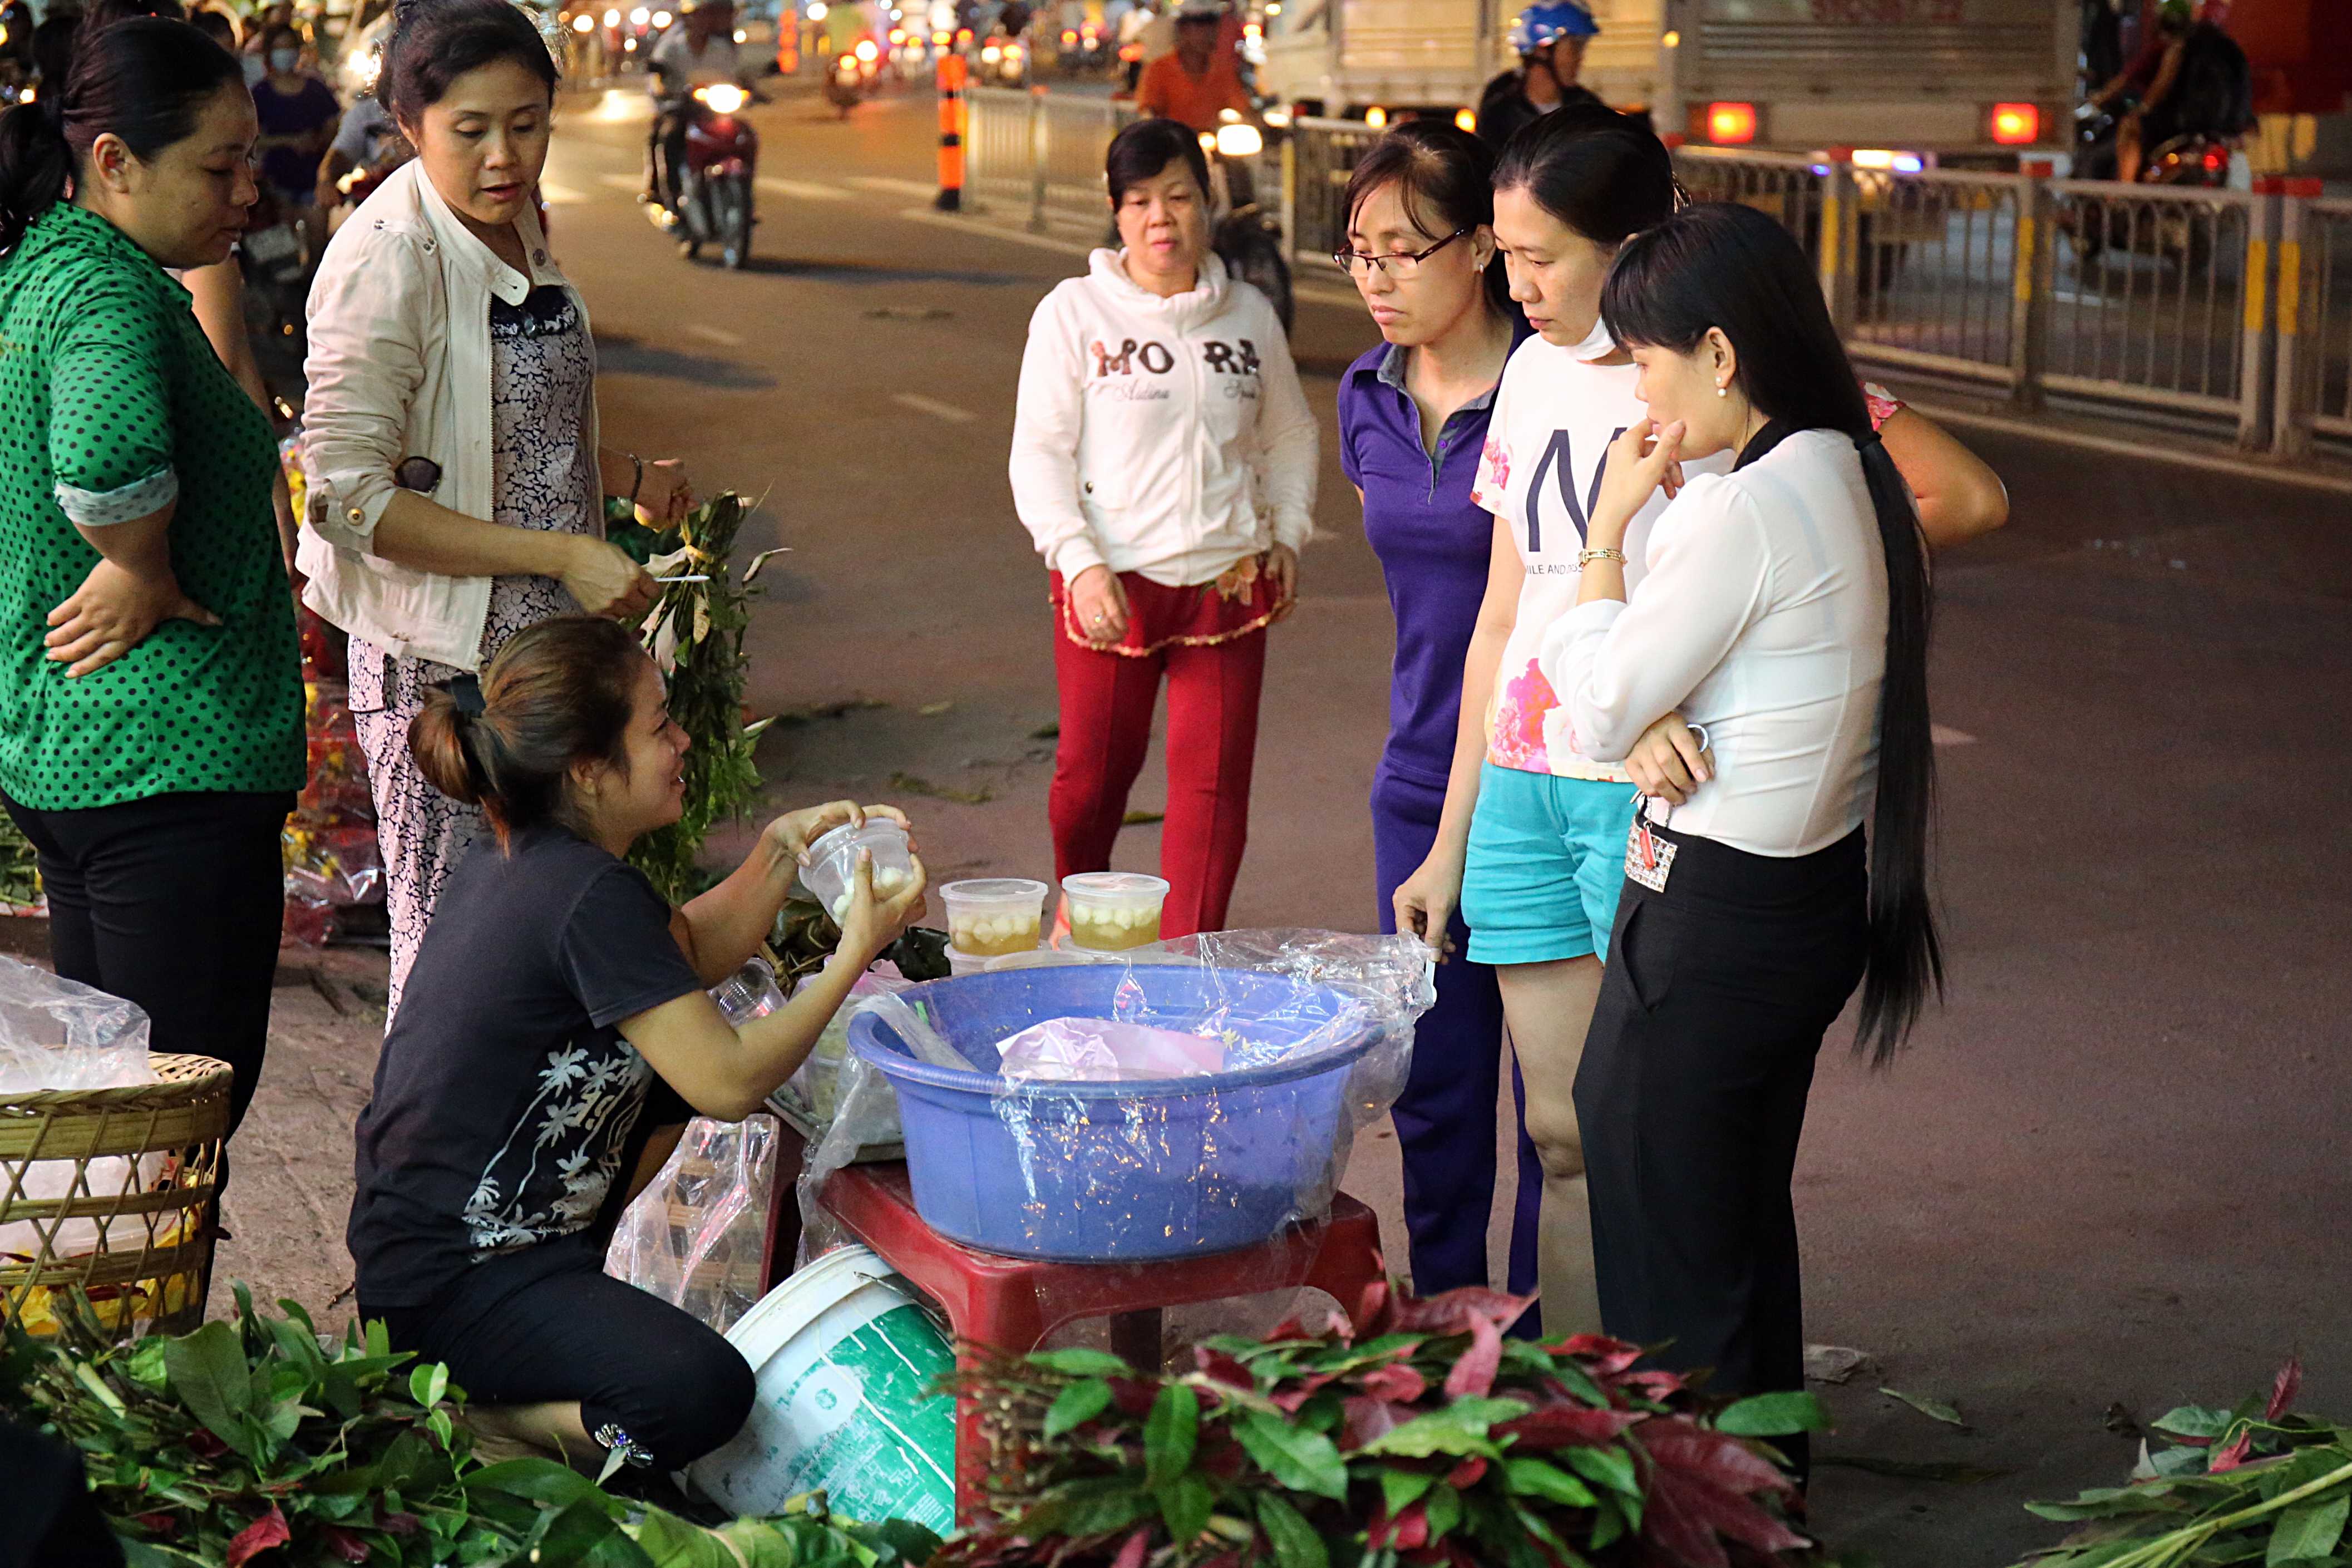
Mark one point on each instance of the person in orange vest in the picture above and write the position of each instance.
(1202, 79)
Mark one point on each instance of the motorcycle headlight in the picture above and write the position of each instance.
(723, 98)
(1239, 142)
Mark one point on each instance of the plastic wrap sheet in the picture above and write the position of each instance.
(696, 1236)
(1151, 1169)
(864, 1109)
(58, 1033)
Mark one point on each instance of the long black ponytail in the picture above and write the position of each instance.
(1734, 269)
(146, 80)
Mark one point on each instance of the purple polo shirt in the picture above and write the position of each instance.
(1433, 543)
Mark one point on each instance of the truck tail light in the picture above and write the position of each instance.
(1730, 124)
(2016, 124)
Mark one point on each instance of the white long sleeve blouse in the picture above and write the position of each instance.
(1164, 437)
(1763, 618)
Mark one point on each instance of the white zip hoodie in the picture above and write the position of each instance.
(1163, 437)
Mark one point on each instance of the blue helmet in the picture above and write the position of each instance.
(1547, 22)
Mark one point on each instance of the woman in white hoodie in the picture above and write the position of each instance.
(1164, 460)
(456, 484)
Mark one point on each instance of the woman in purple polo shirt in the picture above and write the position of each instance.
(1413, 420)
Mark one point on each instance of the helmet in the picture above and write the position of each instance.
(1548, 21)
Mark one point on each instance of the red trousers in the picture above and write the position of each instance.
(1107, 705)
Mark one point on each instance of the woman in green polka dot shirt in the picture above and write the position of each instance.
(151, 694)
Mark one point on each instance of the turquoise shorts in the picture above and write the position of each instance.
(1546, 859)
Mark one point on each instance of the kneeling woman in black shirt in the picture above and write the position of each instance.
(555, 1019)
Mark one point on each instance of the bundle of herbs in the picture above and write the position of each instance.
(694, 630)
(256, 1437)
(20, 873)
(2259, 1483)
(1426, 1437)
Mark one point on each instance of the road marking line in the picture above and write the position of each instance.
(557, 195)
(933, 407)
(807, 190)
(632, 183)
(894, 187)
(713, 335)
(1944, 735)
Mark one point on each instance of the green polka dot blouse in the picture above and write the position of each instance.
(112, 404)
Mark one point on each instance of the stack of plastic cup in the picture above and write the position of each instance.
(750, 992)
(1113, 910)
(832, 861)
(992, 917)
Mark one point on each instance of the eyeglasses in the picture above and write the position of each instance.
(1396, 263)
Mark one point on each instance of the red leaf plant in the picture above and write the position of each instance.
(1414, 1432)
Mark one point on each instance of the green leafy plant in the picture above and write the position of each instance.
(697, 629)
(1426, 1438)
(20, 872)
(255, 1436)
(2258, 1483)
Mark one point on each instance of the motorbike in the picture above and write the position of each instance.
(1248, 237)
(712, 201)
(2195, 160)
(854, 76)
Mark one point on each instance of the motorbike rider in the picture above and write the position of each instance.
(1200, 81)
(698, 51)
(1550, 36)
(2190, 77)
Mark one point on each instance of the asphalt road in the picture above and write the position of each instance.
(2111, 1170)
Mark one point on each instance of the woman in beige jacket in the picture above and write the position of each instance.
(456, 480)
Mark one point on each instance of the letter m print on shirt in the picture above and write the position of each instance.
(1110, 364)
(1561, 456)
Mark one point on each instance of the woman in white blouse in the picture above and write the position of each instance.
(1164, 461)
(1785, 615)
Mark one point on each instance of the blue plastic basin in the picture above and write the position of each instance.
(1105, 1171)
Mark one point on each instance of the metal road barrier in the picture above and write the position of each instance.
(1042, 150)
(1318, 157)
(2229, 308)
(2314, 322)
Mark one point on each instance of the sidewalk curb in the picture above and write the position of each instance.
(2241, 465)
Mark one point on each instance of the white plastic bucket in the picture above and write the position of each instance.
(846, 1362)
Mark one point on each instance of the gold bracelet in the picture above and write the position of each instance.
(1587, 557)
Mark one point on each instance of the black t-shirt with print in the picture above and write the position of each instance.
(509, 1111)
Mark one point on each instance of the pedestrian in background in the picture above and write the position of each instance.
(151, 710)
(299, 113)
(1413, 421)
(1786, 610)
(456, 480)
(1164, 461)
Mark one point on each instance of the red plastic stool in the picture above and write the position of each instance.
(1009, 1305)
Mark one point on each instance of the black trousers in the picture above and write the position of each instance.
(1692, 1097)
(174, 902)
(524, 1330)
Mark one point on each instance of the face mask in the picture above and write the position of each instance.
(283, 61)
(1597, 344)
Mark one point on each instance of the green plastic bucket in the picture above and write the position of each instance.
(846, 1365)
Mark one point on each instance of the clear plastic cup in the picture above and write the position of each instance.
(963, 963)
(1113, 910)
(832, 861)
(750, 992)
(989, 917)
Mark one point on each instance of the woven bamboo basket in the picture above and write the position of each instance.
(138, 1168)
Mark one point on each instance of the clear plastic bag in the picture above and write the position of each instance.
(56, 1034)
(1317, 1031)
(1105, 1050)
(696, 1236)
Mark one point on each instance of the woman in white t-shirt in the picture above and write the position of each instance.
(1531, 843)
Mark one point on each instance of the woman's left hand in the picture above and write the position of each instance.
(793, 832)
(1282, 566)
(1640, 460)
(666, 495)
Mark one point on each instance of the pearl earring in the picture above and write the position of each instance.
(1723, 391)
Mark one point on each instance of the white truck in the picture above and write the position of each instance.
(1970, 81)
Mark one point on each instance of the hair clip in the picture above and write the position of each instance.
(465, 691)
